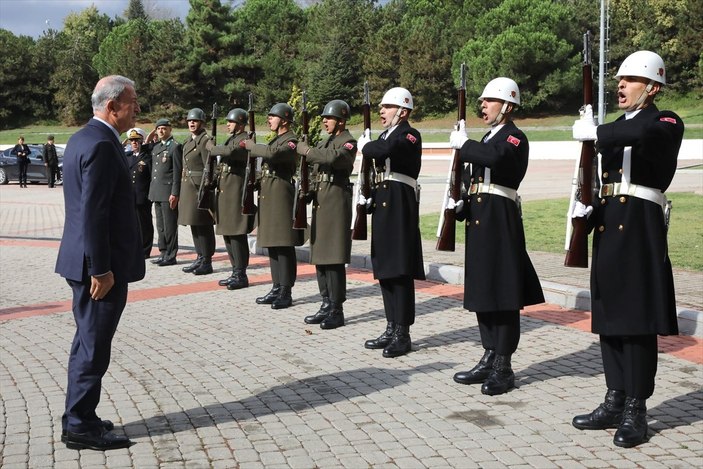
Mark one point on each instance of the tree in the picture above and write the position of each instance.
(135, 11)
(16, 92)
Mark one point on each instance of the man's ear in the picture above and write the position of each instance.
(655, 89)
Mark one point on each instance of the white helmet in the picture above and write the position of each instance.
(398, 97)
(136, 132)
(643, 63)
(502, 88)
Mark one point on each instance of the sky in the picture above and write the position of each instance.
(33, 17)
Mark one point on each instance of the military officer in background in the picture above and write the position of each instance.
(275, 230)
(51, 161)
(330, 237)
(165, 190)
(231, 224)
(195, 154)
(632, 285)
(396, 248)
(499, 276)
(139, 162)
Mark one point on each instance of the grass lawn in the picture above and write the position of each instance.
(545, 227)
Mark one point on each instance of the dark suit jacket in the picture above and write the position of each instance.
(101, 231)
(140, 172)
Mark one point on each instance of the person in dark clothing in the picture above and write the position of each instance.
(21, 150)
(139, 162)
(51, 161)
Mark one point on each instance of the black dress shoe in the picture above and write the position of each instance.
(157, 260)
(165, 262)
(606, 415)
(190, 268)
(268, 298)
(98, 440)
(225, 281)
(108, 425)
(501, 378)
(633, 429)
(321, 313)
(480, 372)
(382, 340)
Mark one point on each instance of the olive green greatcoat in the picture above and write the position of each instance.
(195, 153)
(330, 233)
(276, 194)
(230, 181)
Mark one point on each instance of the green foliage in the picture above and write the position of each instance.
(135, 11)
(14, 70)
(314, 119)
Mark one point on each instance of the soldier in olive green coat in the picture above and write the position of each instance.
(195, 153)
(275, 215)
(330, 234)
(231, 224)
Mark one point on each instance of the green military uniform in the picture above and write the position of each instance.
(166, 167)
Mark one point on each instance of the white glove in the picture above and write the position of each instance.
(458, 136)
(363, 200)
(457, 206)
(363, 140)
(585, 128)
(580, 210)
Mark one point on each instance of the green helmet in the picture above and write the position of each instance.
(196, 114)
(282, 110)
(237, 115)
(338, 109)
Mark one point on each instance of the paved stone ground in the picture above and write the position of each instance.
(203, 377)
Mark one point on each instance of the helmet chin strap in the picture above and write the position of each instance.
(396, 118)
(500, 115)
(643, 97)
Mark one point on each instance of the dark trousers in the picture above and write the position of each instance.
(52, 172)
(630, 363)
(399, 299)
(500, 331)
(332, 281)
(167, 229)
(237, 250)
(284, 266)
(96, 323)
(23, 164)
(204, 240)
(146, 227)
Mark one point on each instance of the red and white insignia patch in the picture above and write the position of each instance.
(349, 146)
(292, 145)
(670, 120)
(412, 138)
(514, 140)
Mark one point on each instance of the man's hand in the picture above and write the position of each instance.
(100, 286)
(580, 210)
(364, 201)
(363, 140)
(457, 206)
(173, 202)
(584, 128)
(247, 143)
(303, 148)
(458, 136)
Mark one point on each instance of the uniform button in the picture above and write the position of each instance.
(477, 222)
(620, 171)
(385, 186)
(623, 200)
(374, 204)
(621, 227)
(480, 179)
(468, 223)
(605, 174)
(472, 179)
(478, 199)
(384, 204)
(602, 201)
(601, 228)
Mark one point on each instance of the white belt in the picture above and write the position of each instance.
(402, 178)
(496, 189)
(634, 190)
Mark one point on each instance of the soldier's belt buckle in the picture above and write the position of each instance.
(607, 190)
(473, 189)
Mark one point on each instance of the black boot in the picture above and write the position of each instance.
(196, 263)
(606, 415)
(480, 372)
(400, 343)
(205, 267)
(268, 298)
(158, 259)
(633, 429)
(321, 314)
(383, 340)
(501, 378)
(225, 281)
(284, 299)
(240, 280)
(335, 318)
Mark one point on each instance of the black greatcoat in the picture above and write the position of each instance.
(499, 275)
(632, 286)
(396, 247)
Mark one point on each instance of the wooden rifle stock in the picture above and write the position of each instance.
(359, 232)
(577, 253)
(248, 205)
(206, 191)
(447, 236)
(300, 212)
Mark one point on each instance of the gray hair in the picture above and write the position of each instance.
(108, 88)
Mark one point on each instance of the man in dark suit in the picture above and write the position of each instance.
(100, 254)
(51, 161)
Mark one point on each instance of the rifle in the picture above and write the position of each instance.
(359, 232)
(248, 206)
(577, 249)
(446, 240)
(302, 182)
(206, 191)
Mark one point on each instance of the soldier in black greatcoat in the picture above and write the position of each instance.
(632, 285)
(396, 247)
(499, 276)
(139, 163)
(165, 190)
(332, 162)
(51, 161)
